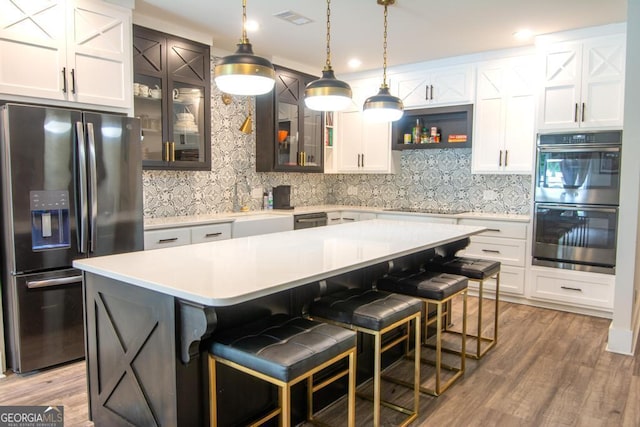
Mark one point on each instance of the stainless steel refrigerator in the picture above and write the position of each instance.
(71, 188)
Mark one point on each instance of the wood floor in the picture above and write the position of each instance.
(550, 368)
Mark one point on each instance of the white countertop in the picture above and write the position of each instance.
(193, 220)
(232, 271)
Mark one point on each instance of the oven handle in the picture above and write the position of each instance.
(578, 148)
(35, 284)
(591, 208)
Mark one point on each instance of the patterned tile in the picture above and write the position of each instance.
(435, 178)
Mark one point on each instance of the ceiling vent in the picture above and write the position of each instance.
(293, 17)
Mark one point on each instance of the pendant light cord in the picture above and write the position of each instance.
(384, 50)
(328, 63)
(244, 39)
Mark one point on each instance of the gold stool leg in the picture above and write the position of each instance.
(351, 399)
(377, 362)
(213, 396)
(285, 404)
(438, 346)
(495, 328)
(479, 330)
(416, 365)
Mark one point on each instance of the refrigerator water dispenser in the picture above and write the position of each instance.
(50, 220)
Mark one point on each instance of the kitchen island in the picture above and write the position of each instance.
(147, 313)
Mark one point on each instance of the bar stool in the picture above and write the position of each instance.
(283, 351)
(433, 289)
(375, 313)
(477, 270)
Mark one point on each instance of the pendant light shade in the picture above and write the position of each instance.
(383, 107)
(328, 93)
(244, 73)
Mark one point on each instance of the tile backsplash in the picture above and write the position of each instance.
(433, 178)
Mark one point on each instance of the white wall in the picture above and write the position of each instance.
(624, 326)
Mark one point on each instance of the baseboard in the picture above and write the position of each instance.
(620, 341)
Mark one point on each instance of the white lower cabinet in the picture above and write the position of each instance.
(210, 233)
(576, 288)
(340, 217)
(178, 236)
(503, 241)
(156, 239)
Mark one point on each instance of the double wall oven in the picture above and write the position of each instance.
(576, 200)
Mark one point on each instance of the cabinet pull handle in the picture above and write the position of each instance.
(500, 159)
(64, 79)
(575, 114)
(73, 80)
(173, 151)
(172, 239)
(335, 219)
(363, 160)
(584, 107)
(358, 160)
(569, 288)
(426, 92)
(495, 230)
(165, 152)
(213, 234)
(431, 92)
(506, 157)
(491, 251)
(348, 219)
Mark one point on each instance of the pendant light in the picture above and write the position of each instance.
(383, 107)
(244, 73)
(328, 93)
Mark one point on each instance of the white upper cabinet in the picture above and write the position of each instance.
(504, 125)
(438, 86)
(361, 146)
(66, 50)
(583, 84)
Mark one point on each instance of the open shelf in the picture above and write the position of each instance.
(453, 120)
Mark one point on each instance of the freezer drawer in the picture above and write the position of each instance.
(48, 325)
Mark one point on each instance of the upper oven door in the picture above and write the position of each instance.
(578, 174)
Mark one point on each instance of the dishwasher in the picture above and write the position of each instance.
(316, 219)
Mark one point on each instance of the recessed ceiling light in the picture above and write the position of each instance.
(252, 26)
(354, 63)
(293, 17)
(524, 34)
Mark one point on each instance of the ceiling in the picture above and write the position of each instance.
(419, 30)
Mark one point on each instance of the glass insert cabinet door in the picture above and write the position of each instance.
(172, 100)
(288, 134)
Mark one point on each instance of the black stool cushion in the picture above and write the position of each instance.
(282, 347)
(366, 308)
(430, 285)
(479, 269)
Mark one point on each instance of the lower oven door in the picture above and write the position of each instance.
(576, 237)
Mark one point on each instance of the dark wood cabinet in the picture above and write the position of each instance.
(454, 126)
(288, 134)
(172, 98)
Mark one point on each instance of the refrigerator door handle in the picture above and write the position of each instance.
(93, 189)
(82, 188)
(35, 284)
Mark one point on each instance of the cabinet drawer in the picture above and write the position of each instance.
(513, 230)
(420, 218)
(507, 251)
(210, 233)
(334, 218)
(581, 289)
(165, 238)
(511, 281)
